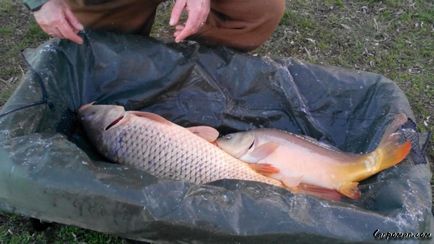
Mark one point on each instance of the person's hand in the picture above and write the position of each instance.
(57, 20)
(198, 11)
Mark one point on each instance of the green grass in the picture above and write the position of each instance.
(390, 37)
(332, 3)
(6, 6)
(5, 93)
(16, 34)
(19, 230)
(6, 30)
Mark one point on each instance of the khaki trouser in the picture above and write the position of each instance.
(241, 24)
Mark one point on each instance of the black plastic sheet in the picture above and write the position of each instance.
(50, 171)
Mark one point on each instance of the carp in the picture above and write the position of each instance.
(151, 143)
(300, 161)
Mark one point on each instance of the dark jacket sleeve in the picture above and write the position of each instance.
(34, 4)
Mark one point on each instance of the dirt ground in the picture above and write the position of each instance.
(391, 37)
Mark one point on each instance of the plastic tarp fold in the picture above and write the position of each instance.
(50, 171)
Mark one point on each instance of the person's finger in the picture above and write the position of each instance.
(200, 15)
(191, 27)
(203, 18)
(179, 27)
(176, 33)
(177, 11)
(59, 33)
(183, 34)
(73, 21)
(52, 31)
(67, 32)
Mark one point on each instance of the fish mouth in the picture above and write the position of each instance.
(114, 122)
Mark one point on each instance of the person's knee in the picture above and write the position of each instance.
(276, 10)
(242, 25)
(273, 10)
(274, 13)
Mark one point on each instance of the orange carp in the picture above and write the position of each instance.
(151, 143)
(299, 161)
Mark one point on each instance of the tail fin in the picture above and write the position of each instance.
(393, 151)
(391, 147)
(389, 152)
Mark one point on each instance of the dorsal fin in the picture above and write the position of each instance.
(289, 136)
(151, 116)
(206, 132)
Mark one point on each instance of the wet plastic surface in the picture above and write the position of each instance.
(50, 171)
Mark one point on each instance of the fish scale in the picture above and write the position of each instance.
(171, 151)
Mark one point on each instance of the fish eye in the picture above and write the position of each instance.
(227, 137)
(86, 117)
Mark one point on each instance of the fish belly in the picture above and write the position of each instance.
(304, 166)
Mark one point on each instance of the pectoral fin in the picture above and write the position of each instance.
(291, 182)
(263, 151)
(350, 189)
(264, 169)
(208, 133)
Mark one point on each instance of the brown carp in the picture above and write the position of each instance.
(151, 143)
(298, 161)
